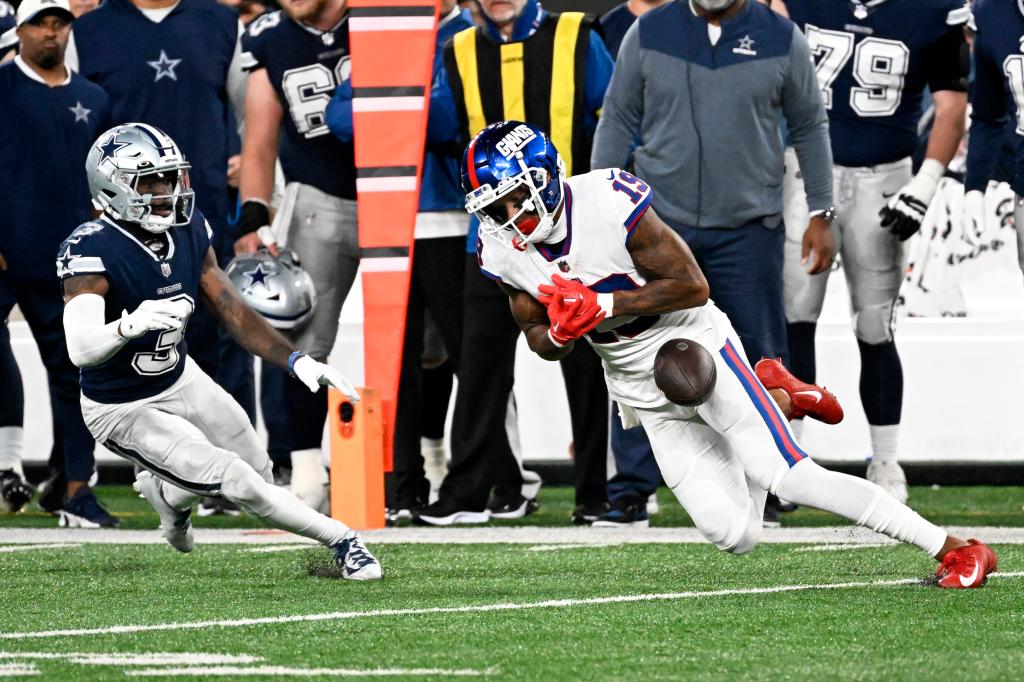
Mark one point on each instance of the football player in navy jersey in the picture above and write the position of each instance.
(132, 280)
(296, 57)
(874, 59)
(179, 71)
(49, 117)
(996, 98)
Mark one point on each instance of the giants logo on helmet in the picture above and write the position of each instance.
(515, 140)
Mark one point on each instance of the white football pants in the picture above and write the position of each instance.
(721, 458)
(199, 442)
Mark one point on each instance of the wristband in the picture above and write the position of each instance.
(292, 360)
(606, 302)
(254, 215)
(555, 341)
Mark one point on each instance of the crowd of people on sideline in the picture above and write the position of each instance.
(777, 137)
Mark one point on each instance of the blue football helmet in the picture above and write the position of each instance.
(502, 158)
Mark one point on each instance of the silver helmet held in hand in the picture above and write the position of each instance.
(124, 167)
(275, 287)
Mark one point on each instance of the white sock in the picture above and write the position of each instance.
(278, 507)
(11, 438)
(885, 441)
(860, 501)
(797, 427)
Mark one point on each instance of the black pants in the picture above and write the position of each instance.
(436, 286)
(42, 304)
(481, 456)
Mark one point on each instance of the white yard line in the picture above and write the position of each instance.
(13, 669)
(529, 535)
(86, 658)
(580, 545)
(28, 548)
(844, 546)
(282, 671)
(281, 548)
(481, 608)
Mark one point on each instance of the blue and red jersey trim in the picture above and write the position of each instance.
(766, 407)
(634, 218)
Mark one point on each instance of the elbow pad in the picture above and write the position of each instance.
(90, 341)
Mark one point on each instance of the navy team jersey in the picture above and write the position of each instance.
(45, 135)
(874, 60)
(305, 66)
(149, 364)
(171, 75)
(998, 94)
(614, 25)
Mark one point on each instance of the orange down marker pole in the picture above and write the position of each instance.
(392, 48)
(356, 435)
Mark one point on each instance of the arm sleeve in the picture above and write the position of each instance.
(237, 81)
(623, 107)
(90, 341)
(598, 73)
(808, 124)
(949, 61)
(443, 118)
(626, 198)
(988, 118)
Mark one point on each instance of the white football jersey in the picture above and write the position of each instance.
(602, 208)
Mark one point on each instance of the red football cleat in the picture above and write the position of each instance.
(807, 399)
(966, 566)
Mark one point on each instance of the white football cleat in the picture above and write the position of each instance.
(890, 478)
(176, 525)
(354, 560)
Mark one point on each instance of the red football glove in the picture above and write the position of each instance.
(570, 321)
(569, 290)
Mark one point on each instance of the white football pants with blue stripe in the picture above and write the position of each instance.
(198, 441)
(722, 457)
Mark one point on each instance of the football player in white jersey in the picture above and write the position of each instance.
(588, 257)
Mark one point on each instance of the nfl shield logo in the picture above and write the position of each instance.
(165, 269)
(563, 266)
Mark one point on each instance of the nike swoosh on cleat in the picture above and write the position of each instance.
(967, 582)
(815, 394)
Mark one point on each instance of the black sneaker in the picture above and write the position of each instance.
(515, 507)
(15, 491)
(218, 506)
(85, 511)
(625, 512)
(51, 492)
(585, 516)
(772, 512)
(442, 513)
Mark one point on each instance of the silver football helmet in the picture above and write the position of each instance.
(277, 288)
(137, 174)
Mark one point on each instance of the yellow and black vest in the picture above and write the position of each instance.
(539, 80)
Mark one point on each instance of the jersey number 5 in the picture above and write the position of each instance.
(165, 357)
(879, 67)
(308, 91)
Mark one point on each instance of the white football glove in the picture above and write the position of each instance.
(905, 212)
(972, 219)
(316, 374)
(153, 315)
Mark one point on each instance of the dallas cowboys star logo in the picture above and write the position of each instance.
(80, 112)
(111, 147)
(258, 276)
(64, 262)
(746, 46)
(165, 67)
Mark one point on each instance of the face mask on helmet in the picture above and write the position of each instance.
(160, 199)
(535, 196)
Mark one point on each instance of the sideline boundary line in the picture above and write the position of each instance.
(480, 608)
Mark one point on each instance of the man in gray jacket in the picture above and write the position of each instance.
(695, 104)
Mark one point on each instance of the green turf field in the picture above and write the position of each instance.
(472, 609)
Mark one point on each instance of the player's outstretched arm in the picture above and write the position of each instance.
(674, 280)
(247, 327)
(253, 333)
(532, 318)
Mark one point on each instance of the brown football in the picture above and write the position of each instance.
(685, 372)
